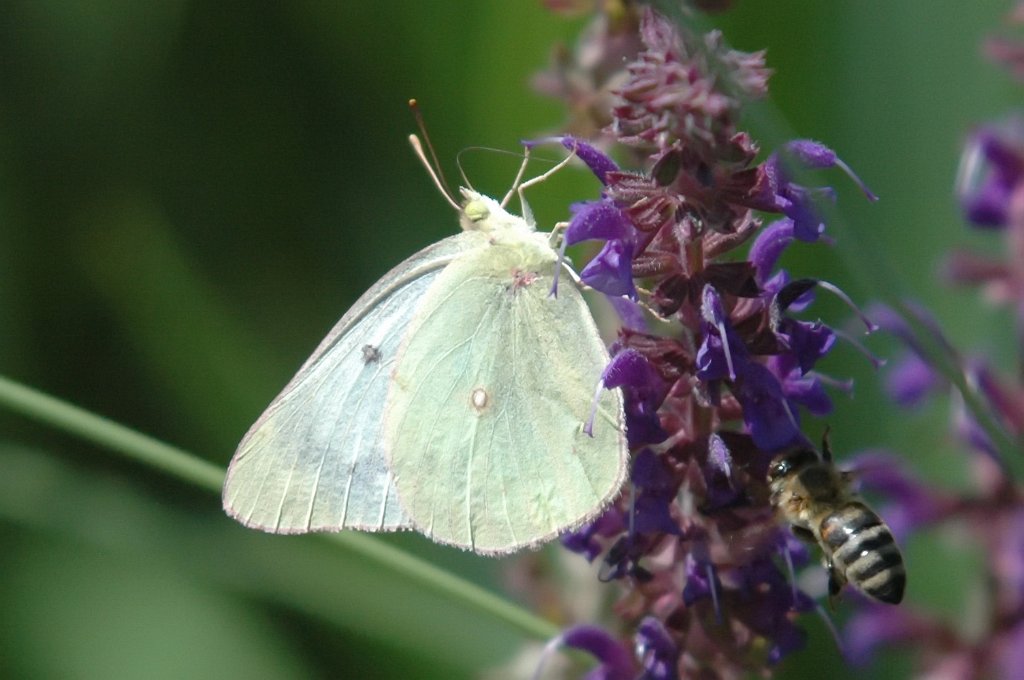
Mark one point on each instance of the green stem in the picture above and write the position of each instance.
(187, 467)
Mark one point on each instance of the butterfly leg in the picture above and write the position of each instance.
(527, 213)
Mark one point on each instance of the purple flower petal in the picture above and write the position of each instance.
(584, 540)
(717, 351)
(701, 579)
(644, 391)
(872, 627)
(598, 162)
(768, 247)
(811, 154)
(600, 220)
(809, 393)
(610, 271)
(654, 491)
(816, 155)
(616, 663)
(910, 380)
(808, 342)
(656, 651)
(630, 313)
(771, 420)
(718, 477)
(991, 169)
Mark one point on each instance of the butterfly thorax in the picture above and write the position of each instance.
(513, 241)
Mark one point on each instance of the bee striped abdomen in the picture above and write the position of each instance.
(864, 552)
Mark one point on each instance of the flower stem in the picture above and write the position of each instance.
(187, 467)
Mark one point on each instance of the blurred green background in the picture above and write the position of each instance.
(191, 193)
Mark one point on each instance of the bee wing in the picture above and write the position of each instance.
(314, 461)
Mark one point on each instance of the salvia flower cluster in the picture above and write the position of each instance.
(991, 194)
(723, 382)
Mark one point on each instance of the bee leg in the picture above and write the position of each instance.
(805, 535)
(836, 581)
(826, 446)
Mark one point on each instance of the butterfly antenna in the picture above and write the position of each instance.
(433, 169)
(462, 171)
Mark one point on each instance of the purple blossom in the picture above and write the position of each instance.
(615, 661)
(722, 490)
(644, 390)
(767, 249)
(610, 271)
(991, 172)
(601, 220)
(771, 418)
(701, 579)
(600, 164)
(655, 490)
(776, 192)
(910, 380)
(656, 650)
(589, 540)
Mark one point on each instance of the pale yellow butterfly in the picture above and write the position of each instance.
(451, 398)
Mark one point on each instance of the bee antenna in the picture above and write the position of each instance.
(433, 169)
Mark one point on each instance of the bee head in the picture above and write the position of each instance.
(787, 464)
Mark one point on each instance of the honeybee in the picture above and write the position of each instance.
(815, 498)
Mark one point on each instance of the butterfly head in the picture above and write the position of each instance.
(483, 213)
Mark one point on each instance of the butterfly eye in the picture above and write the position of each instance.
(476, 211)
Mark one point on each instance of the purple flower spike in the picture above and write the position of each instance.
(656, 651)
(969, 431)
(616, 663)
(1006, 403)
(711, 395)
(610, 272)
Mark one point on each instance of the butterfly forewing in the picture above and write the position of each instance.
(485, 415)
(314, 461)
